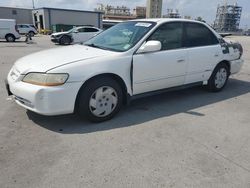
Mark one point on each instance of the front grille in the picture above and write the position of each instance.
(24, 101)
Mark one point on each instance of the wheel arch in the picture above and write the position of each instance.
(227, 63)
(10, 34)
(66, 35)
(109, 75)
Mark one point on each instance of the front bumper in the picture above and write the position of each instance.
(42, 99)
(55, 40)
(236, 65)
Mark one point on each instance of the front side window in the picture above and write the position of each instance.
(199, 35)
(88, 29)
(81, 30)
(170, 36)
(122, 36)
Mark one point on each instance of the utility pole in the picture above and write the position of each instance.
(33, 4)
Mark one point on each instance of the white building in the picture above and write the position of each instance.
(21, 15)
(46, 18)
(154, 8)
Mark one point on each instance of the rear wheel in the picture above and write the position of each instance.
(100, 99)
(10, 38)
(65, 40)
(219, 78)
(32, 33)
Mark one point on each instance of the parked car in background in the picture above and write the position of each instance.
(26, 29)
(8, 30)
(106, 24)
(31, 25)
(247, 33)
(130, 60)
(75, 35)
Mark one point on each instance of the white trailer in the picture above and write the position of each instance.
(8, 30)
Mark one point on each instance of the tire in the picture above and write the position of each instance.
(10, 38)
(100, 100)
(65, 40)
(32, 33)
(219, 78)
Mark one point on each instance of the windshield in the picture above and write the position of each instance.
(122, 36)
(72, 30)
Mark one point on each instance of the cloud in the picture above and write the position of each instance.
(194, 8)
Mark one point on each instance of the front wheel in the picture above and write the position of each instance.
(65, 40)
(100, 99)
(219, 78)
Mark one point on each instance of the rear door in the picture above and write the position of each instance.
(204, 51)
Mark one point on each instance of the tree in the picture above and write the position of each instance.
(200, 19)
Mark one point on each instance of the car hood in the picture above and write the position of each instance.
(49, 59)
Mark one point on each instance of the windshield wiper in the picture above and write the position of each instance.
(96, 46)
(102, 47)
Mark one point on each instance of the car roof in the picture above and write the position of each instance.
(25, 24)
(164, 20)
(85, 27)
(12, 20)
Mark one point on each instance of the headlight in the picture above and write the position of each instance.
(44, 79)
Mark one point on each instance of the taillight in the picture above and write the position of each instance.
(240, 49)
(16, 28)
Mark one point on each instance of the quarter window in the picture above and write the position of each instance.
(199, 35)
(170, 36)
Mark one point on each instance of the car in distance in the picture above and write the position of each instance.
(127, 61)
(75, 35)
(26, 29)
(8, 30)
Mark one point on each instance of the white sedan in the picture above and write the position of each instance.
(132, 59)
(75, 35)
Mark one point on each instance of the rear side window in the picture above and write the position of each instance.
(170, 36)
(199, 35)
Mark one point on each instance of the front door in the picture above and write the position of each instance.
(84, 34)
(165, 68)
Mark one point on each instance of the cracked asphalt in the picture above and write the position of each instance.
(187, 138)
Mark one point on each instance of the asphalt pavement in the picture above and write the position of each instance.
(187, 138)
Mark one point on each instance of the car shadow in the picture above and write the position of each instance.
(145, 109)
(17, 41)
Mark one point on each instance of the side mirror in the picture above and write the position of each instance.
(76, 32)
(150, 46)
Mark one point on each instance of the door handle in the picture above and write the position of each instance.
(180, 60)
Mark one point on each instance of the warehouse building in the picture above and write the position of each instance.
(21, 15)
(49, 18)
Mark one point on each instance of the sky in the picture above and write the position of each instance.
(194, 8)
